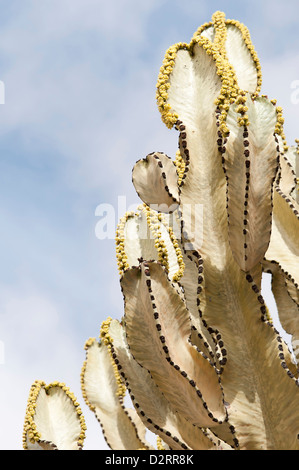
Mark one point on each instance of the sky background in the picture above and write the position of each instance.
(80, 110)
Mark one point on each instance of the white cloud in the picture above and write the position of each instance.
(66, 98)
(278, 75)
(38, 344)
(279, 15)
(73, 78)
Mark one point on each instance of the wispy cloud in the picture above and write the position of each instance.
(279, 76)
(80, 109)
(74, 73)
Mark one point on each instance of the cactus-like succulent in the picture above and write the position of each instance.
(196, 349)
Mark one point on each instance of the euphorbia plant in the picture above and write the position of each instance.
(196, 349)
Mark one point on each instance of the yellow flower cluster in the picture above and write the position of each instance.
(218, 20)
(30, 429)
(87, 345)
(247, 39)
(279, 126)
(108, 341)
(160, 443)
(241, 109)
(177, 276)
(121, 257)
(180, 166)
(297, 179)
(203, 27)
(154, 221)
(163, 84)
(230, 91)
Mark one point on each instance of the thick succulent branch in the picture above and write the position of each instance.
(196, 349)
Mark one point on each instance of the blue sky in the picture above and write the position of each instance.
(79, 110)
